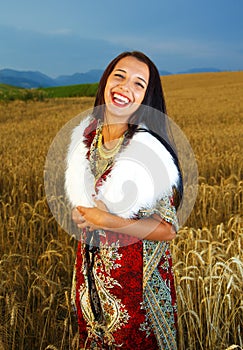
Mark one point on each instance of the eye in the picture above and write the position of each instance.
(119, 75)
(140, 84)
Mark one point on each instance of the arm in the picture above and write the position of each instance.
(152, 228)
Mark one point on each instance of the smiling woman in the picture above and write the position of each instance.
(124, 183)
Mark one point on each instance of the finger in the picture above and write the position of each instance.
(81, 209)
(82, 225)
(100, 205)
(76, 216)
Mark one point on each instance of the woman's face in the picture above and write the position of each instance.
(126, 87)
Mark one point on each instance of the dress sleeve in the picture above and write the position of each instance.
(165, 209)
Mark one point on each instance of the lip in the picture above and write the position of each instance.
(119, 99)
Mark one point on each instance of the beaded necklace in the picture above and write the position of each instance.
(101, 158)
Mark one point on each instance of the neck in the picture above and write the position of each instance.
(113, 130)
(114, 126)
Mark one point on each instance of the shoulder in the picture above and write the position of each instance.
(81, 133)
(82, 128)
(149, 148)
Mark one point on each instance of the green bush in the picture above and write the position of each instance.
(11, 93)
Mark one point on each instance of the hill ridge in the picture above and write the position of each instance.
(35, 79)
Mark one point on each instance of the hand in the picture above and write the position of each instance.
(166, 224)
(77, 217)
(91, 218)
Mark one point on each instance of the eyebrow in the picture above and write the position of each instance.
(122, 70)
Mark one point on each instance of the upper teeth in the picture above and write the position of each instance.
(121, 98)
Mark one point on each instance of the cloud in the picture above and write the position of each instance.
(61, 51)
(60, 31)
(54, 53)
(179, 53)
(173, 45)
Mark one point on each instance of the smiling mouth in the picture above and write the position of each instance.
(120, 100)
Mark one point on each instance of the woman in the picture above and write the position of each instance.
(123, 284)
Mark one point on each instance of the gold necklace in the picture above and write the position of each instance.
(108, 153)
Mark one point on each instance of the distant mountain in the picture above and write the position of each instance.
(32, 79)
(164, 72)
(93, 76)
(200, 70)
(26, 79)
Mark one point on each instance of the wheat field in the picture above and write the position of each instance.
(37, 256)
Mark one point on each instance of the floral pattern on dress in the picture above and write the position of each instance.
(115, 313)
(135, 284)
(159, 294)
(158, 280)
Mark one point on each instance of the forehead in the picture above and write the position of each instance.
(132, 64)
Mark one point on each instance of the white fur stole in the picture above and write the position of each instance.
(143, 172)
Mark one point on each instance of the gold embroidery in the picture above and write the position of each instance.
(115, 313)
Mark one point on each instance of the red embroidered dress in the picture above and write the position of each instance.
(123, 288)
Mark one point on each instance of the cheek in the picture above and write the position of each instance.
(107, 91)
(140, 96)
(106, 94)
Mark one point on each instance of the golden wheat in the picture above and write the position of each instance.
(37, 256)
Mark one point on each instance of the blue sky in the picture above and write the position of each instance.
(60, 37)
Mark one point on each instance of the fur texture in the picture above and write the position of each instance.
(142, 174)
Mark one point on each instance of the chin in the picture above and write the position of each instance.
(121, 111)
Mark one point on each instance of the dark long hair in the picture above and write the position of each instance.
(152, 112)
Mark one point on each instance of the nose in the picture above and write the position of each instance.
(125, 84)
